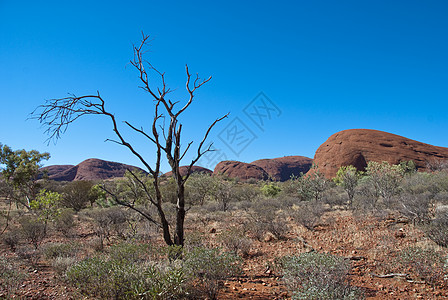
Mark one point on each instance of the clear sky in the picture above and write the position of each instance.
(322, 66)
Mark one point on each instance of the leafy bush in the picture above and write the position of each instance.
(210, 266)
(312, 186)
(129, 252)
(317, 276)
(385, 178)
(270, 190)
(347, 177)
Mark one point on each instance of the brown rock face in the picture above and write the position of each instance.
(90, 169)
(282, 168)
(194, 169)
(359, 146)
(52, 171)
(243, 171)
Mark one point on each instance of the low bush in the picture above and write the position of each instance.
(266, 216)
(437, 230)
(11, 238)
(55, 250)
(317, 276)
(10, 277)
(33, 230)
(64, 222)
(109, 278)
(416, 207)
(209, 266)
(235, 241)
(426, 263)
(308, 214)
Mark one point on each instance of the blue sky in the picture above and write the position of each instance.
(322, 66)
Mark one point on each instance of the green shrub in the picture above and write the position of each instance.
(55, 250)
(317, 276)
(129, 252)
(270, 190)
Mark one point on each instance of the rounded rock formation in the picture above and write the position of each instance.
(359, 146)
(241, 170)
(282, 168)
(194, 169)
(90, 169)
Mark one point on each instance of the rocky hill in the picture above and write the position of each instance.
(90, 169)
(194, 169)
(358, 146)
(278, 169)
(282, 168)
(241, 170)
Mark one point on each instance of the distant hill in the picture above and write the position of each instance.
(195, 169)
(90, 169)
(277, 169)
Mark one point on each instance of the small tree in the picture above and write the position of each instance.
(46, 206)
(77, 194)
(385, 178)
(57, 114)
(311, 186)
(19, 170)
(347, 177)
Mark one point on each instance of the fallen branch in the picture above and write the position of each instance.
(390, 275)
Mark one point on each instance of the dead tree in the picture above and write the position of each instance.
(57, 114)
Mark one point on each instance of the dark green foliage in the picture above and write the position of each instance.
(270, 190)
(77, 194)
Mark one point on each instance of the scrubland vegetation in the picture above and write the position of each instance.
(379, 233)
